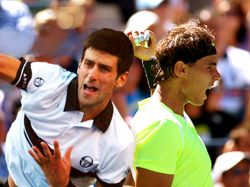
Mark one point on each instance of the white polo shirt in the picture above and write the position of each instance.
(103, 146)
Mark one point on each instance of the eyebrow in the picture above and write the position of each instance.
(105, 66)
(89, 60)
(99, 64)
(211, 63)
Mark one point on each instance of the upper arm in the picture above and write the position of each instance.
(147, 178)
(158, 147)
(9, 67)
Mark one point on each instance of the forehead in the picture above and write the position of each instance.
(208, 60)
(100, 57)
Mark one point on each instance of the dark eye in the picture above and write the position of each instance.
(105, 68)
(211, 67)
(88, 63)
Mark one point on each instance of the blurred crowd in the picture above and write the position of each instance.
(53, 31)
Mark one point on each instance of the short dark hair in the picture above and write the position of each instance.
(187, 42)
(113, 42)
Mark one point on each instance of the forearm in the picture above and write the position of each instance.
(9, 67)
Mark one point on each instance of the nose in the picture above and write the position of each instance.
(93, 73)
(217, 75)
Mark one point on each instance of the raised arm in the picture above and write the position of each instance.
(144, 44)
(8, 67)
(144, 48)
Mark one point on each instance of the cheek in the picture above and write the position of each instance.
(197, 82)
(203, 78)
(81, 72)
(81, 77)
(108, 83)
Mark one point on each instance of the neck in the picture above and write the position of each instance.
(90, 112)
(170, 97)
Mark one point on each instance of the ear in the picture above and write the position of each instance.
(180, 69)
(121, 80)
(79, 66)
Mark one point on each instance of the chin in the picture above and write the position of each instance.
(197, 103)
(202, 100)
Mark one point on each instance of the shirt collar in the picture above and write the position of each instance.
(101, 121)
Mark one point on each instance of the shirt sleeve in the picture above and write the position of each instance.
(23, 75)
(115, 169)
(158, 147)
(32, 76)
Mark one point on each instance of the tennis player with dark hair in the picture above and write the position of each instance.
(74, 109)
(169, 152)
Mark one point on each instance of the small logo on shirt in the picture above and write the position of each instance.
(38, 81)
(24, 81)
(86, 161)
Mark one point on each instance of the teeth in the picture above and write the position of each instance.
(93, 89)
(89, 88)
(216, 83)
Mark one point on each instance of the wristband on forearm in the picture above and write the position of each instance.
(148, 69)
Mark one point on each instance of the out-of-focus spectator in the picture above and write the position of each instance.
(143, 20)
(16, 28)
(49, 38)
(232, 169)
(3, 166)
(112, 14)
(61, 33)
(180, 10)
(239, 139)
(16, 16)
(228, 104)
(162, 9)
(154, 16)
(10, 104)
(37, 5)
(170, 11)
(195, 5)
(75, 16)
(231, 26)
(2, 127)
